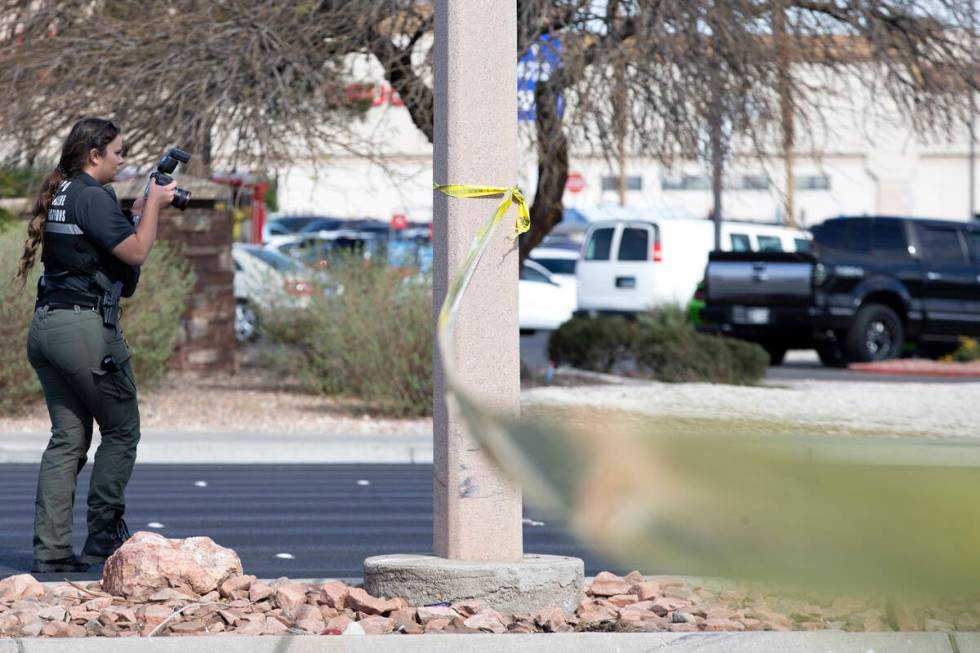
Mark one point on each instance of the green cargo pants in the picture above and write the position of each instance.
(66, 347)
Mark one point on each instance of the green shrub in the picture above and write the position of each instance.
(18, 383)
(151, 319)
(9, 221)
(596, 344)
(669, 346)
(968, 350)
(20, 181)
(662, 344)
(372, 341)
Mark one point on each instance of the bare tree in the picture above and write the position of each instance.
(252, 80)
(681, 66)
(231, 80)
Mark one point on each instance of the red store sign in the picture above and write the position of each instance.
(377, 94)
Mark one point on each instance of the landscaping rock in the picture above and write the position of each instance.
(622, 600)
(168, 595)
(645, 591)
(436, 625)
(358, 599)
(192, 627)
(606, 584)
(63, 629)
(521, 628)
(428, 613)
(149, 562)
(236, 584)
(52, 613)
(274, 627)
(467, 608)
(377, 625)
(285, 606)
(289, 595)
(590, 614)
(486, 622)
(259, 591)
(550, 619)
(334, 594)
(338, 624)
(23, 586)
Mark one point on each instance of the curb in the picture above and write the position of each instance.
(761, 642)
(210, 448)
(925, 368)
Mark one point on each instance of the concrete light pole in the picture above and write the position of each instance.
(477, 511)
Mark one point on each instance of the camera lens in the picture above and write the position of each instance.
(181, 199)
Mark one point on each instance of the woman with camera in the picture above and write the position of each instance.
(91, 254)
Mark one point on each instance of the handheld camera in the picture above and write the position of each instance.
(161, 176)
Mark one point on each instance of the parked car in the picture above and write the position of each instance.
(410, 255)
(322, 224)
(543, 302)
(631, 264)
(278, 226)
(317, 249)
(871, 285)
(559, 257)
(263, 280)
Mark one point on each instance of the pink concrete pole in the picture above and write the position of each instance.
(476, 510)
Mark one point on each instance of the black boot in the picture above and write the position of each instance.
(103, 543)
(71, 564)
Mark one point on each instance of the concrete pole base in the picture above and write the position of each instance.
(521, 587)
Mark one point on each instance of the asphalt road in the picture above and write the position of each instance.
(799, 366)
(324, 516)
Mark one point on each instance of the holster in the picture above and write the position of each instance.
(108, 305)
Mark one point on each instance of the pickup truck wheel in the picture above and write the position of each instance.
(876, 334)
(830, 355)
(776, 353)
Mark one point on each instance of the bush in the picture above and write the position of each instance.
(21, 181)
(18, 383)
(372, 341)
(9, 220)
(151, 319)
(669, 345)
(662, 343)
(597, 344)
(968, 350)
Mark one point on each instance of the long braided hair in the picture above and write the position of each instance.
(86, 135)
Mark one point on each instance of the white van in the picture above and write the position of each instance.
(631, 264)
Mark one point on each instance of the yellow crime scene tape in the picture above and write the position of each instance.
(790, 508)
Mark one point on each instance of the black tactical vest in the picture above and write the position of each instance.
(70, 258)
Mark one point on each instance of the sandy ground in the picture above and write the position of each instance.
(247, 402)
(934, 409)
(241, 402)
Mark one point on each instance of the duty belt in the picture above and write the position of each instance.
(56, 299)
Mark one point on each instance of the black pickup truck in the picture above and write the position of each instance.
(871, 289)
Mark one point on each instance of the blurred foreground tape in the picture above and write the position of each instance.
(787, 508)
(784, 509)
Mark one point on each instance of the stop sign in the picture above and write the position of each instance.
(575, 182)
(399, 221)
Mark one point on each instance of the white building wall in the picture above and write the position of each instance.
(873, 160)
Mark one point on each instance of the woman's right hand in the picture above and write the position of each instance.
(161, 196)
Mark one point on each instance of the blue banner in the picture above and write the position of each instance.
(536, 65)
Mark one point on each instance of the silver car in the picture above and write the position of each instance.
(265, 279)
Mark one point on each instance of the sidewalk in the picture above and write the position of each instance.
(761, 642)
(194, 447)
